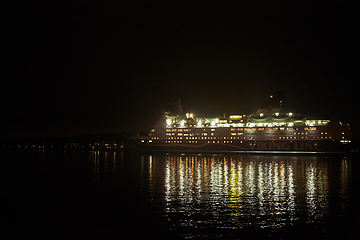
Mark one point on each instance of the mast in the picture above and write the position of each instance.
(179, 108)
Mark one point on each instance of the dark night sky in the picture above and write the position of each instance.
(90, 67)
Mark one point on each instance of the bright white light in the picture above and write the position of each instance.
(191, 115)
(187, 115)
(276, 114)
(261, 114)
(213, 123)
(199, 123)
(168, 121)
(182, 123)
(290, 114)
(291, 124)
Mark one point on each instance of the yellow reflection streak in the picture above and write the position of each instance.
(245, 187)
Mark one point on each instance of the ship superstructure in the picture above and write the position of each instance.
(269, 129)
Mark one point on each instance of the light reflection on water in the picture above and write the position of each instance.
(234, 192)
(195, 192)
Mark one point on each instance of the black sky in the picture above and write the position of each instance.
(90, 67)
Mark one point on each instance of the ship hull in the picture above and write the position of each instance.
(278, 146)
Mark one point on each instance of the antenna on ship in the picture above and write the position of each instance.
(179, 108)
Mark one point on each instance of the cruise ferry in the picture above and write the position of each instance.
(269, 130)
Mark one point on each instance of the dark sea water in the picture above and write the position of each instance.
(98, 195)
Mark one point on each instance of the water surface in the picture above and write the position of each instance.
(182, 196)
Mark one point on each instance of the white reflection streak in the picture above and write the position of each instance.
(251, 186)
(261, 189)
(225, 182)
(190, 180)
(310, 190)
(167, 181)
(270, 183)
(282, 180)
(198, 181)
(323, 186)
(276, 188)
(291, 192)
(181, 180)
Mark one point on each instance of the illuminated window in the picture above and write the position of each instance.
(233, 133)
(290, 129)
(168, 130)
(180, 130)
(306, 128)
(213, 129)
(275, 129)
(313, 128)
(233, 129)
(253, 129)
(222, 121)
(267, 129)
(179, 134)
(174, 130)
(282, 129)
(261, 129)
(186, 130)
